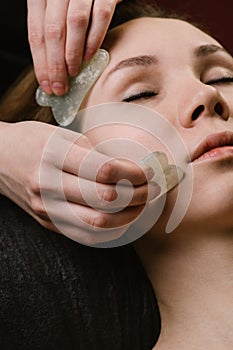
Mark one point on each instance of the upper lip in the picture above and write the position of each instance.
(212, 141)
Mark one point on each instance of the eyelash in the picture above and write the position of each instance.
(223, 80)
(148, 94)
(140, 95)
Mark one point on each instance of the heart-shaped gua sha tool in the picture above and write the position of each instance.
(166, 175)
(65, 107)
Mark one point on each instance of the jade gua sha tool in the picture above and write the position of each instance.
(166, 175)
(65, 107)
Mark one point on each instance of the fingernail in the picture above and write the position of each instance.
(153, 190)
(174, 175)
(58, 88)
(149, 173)
(45, 86)
(171, 177)
(72, 71)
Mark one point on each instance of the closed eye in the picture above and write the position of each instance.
(148, 94)
(140, 96)
(223, 80)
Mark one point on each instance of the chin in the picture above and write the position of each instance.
(211, 205)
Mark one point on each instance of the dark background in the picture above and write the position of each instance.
(217, 16)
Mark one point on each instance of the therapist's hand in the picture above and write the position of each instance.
(52, 173)
(63, 32)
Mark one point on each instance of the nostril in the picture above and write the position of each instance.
(197, 112)
(218, 109)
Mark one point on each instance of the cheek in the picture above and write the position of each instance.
(153, 144)
(126, 141)
(98, 95)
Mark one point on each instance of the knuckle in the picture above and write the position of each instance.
(55, 70)
(54, 31)
(78, 19)
(107, 172)
(73, 55)
(99, 220)
(34, 184)
(38, 208)
(36, 38)
(82, 139)
(108, 194)
(85, 142)
(104, 13)
(34, 195)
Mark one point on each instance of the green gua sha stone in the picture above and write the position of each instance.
(65, 107)
(166, 175)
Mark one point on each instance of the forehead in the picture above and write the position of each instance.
(148, 34)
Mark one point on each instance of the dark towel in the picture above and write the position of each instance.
(58, 294)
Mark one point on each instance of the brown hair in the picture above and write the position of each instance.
(19, 101)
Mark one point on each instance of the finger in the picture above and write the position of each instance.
(101, 17)
(70, 214)
(97, 220)
(85, 161)
(55, 34)
(80, 231)
(95, 166)
(78, 17)
(106, 197)
(71, 152)
(36, 10)
(83, 224)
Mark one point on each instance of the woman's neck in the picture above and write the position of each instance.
(193, 280)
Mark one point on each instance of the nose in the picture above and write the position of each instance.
(202, 101)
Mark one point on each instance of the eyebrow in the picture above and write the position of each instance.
(143, 61)
(205, 50)
(148, 60)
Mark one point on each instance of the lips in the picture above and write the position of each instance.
(213, 146)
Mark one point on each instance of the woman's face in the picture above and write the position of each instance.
(179, 71)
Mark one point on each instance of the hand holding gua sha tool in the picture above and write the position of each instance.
(94, 121)
(166, 175)
(65, 107)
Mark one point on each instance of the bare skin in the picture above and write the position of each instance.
(63, 33)
(21, 181)
(191, 84)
